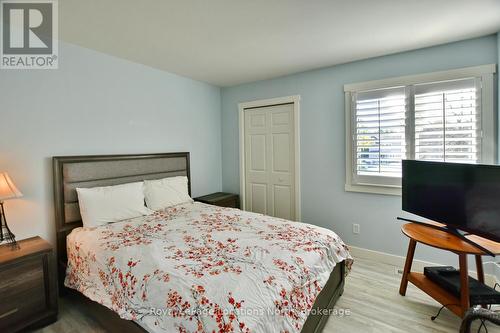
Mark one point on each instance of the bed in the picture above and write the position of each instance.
(192, 267)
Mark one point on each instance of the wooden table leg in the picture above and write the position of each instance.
(407, 269)
(464, 283)
(480, 272)
(479, 267)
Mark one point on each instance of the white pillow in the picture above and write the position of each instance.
(102, 205)
(167, 192)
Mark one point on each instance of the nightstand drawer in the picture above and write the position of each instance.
(221, 199)
(22, 291)
(232, 202)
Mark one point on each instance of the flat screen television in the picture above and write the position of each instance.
(461, 196)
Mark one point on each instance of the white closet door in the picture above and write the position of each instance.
(269, 161)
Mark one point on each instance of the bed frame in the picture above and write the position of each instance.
(71, 172)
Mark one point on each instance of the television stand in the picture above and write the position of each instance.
(445, 240)
(452, 230)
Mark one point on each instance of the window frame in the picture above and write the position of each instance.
(485, 74)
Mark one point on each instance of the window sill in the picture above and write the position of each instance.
(374, 189)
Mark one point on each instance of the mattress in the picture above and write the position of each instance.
(201, 268)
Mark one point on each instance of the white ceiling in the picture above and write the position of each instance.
(227, 42)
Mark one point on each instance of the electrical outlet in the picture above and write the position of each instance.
(355, 228)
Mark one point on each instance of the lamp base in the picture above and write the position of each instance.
(9, 239)
(6, 236)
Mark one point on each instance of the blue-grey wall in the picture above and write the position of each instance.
(98, 104)
(324, 201)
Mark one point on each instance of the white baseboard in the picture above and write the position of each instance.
(418, 265)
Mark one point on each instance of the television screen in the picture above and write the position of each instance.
(463, 196)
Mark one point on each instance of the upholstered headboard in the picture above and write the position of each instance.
(71, 172)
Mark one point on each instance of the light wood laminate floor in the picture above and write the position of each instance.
(371, 297)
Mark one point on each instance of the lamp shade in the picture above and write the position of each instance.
(7, 188)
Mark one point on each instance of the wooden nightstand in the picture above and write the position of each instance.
(221, 199)
(28, 286)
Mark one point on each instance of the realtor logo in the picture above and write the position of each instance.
(29, 34)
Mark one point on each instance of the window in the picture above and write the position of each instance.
(445, 116)
(380, 137)
(448, 121)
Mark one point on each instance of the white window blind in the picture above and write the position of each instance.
(379, 140)
(448, 122)
(433, 121)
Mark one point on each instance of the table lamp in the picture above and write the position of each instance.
(7, 191)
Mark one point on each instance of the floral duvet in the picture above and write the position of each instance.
(201, 268)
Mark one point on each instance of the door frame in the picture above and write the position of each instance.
(295, 100)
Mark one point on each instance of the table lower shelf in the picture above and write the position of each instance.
(435, 291)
